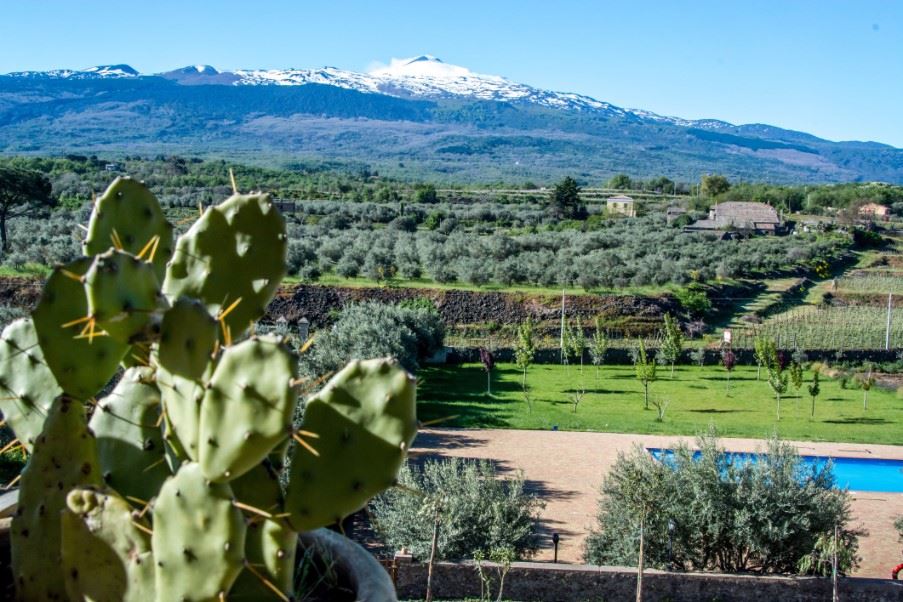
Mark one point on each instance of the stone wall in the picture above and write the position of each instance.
(529, 581)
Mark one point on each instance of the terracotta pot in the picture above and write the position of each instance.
(358, 570)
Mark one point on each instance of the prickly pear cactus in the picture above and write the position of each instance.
(247, 408)
(123, 294)
(187, 339)
(106, 548)
(26, 384)
(270, 544)
(81, 360)
(232, 258)
(129, 217)
(126, 424)
(65, 457)
(360, 427)
(182, 399)
(199, 538)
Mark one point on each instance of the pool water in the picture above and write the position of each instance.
(856, 474)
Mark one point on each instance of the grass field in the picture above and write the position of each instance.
(614, 403)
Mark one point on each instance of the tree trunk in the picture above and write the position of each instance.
(865, 399)
(429, 572)
(672, 369)
(778, 396)
(489, 382)
(646, 394)
(813, 407)
(758, 371)
(3, 241)
(639, 567)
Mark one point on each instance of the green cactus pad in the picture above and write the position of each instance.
(271, 543)
(137, 356)
(129, 438)
(182, 405)
(65, 457)
(106, 549)
(81, 366)
(123, 295)
(364, 420)
(187, 338)
(236, 250)
(27, 386)
(247, 408)
(199, 538)
(130, 210)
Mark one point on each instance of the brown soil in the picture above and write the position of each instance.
(566, 470)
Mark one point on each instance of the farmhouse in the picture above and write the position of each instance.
(747, 218)
(873, 211)
(622, 204)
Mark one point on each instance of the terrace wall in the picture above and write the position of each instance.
(579, 583)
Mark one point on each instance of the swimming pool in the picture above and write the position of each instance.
(857, 474)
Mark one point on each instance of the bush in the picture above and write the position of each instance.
(478, 512)
(769, 516)
(371, 329)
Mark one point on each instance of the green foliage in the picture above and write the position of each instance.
(620, 181)
(796, 374)
(713, 185)
(694, 301)
(372, 329)
(714, 513)
(672, 341)
(23, 192)
(202, 404)
(565, 202)
(598, 345)
(478, 512)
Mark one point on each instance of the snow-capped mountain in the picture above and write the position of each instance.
(99, 71)
(423, 76)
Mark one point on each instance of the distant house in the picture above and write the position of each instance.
(112, 167)
(622, 204)
(874, 211)
(746, 218)
(672, 213)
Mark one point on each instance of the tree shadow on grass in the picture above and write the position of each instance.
(718, 411)
(858, 420)
(464, 415)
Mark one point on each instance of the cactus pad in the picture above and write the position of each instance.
(27, 387)
(182, 406)
(270, 544)
(199, 538)
(236, 250)
(82, 366)
(364, 420)
(65, 457)
(247, 408)
(123, 294)
(106, 551)
(129, 215)
(187, 339)
(129, 438)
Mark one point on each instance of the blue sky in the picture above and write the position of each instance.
(833, 68)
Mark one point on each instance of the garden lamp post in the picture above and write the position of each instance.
(555, 539)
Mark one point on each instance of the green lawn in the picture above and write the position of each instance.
(614, 403)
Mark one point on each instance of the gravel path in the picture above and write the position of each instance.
(566, 470)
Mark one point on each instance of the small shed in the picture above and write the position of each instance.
(621, 204)
(874, 211)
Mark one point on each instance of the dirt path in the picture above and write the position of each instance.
(566, 470)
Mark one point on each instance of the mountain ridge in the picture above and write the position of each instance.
(442, 120)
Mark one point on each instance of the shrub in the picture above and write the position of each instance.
(477, 511)
(371, 329)
(764, 516)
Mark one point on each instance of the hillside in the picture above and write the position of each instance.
(420, 119)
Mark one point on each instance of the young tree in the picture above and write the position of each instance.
(777, 376)
(524, 352)
(728, 360)
(698, 356)
(23, 193)
(713, 185)
(620, 181)
(814, 390)
(488, 365)
(576, 346)
(598, 346)
(761, 349)
(672, 341)
(796, 375)
(645, 370)
(865, 383)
